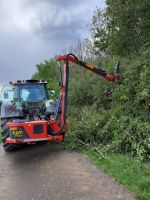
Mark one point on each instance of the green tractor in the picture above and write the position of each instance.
(26, 114)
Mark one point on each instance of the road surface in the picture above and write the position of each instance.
(46, 172)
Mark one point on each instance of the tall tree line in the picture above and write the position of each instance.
(123, 28)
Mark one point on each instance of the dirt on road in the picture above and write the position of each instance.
(49, 173)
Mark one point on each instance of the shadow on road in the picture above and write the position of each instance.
(30, 153)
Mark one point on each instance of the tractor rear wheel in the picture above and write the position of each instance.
(5, 134)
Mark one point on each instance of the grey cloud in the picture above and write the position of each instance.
(56, 22)
(59, 3)
(63, 32)
(54, 26)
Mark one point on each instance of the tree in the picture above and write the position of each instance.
(123, 28)
(48, 71)
(99, 32)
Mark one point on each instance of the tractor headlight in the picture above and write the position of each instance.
(13, 128)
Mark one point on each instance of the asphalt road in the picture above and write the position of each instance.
(49, 173)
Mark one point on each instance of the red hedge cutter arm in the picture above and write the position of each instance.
(64, 79)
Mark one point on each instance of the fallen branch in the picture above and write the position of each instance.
(93, 148)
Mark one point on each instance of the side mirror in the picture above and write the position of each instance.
(52, 93)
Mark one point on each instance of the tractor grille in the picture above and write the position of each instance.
(38, 129)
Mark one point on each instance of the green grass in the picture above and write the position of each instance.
(127, 171)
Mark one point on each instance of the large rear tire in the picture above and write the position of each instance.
(5, 134)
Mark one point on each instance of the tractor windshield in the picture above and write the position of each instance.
(32, 92)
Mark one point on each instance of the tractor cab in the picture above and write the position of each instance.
(30, 101)
(30, 91)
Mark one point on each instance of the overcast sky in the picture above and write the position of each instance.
(34, 30)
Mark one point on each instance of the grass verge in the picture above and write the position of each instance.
(127, 171)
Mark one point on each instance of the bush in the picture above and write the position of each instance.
(115, 118)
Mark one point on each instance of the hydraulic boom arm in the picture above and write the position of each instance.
(64, 81)
(109, 76)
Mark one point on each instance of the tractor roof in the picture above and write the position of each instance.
(30, 82)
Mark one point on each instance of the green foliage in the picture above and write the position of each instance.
(114, 117)
(123, 28)
(48, 71)
(126, 170)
